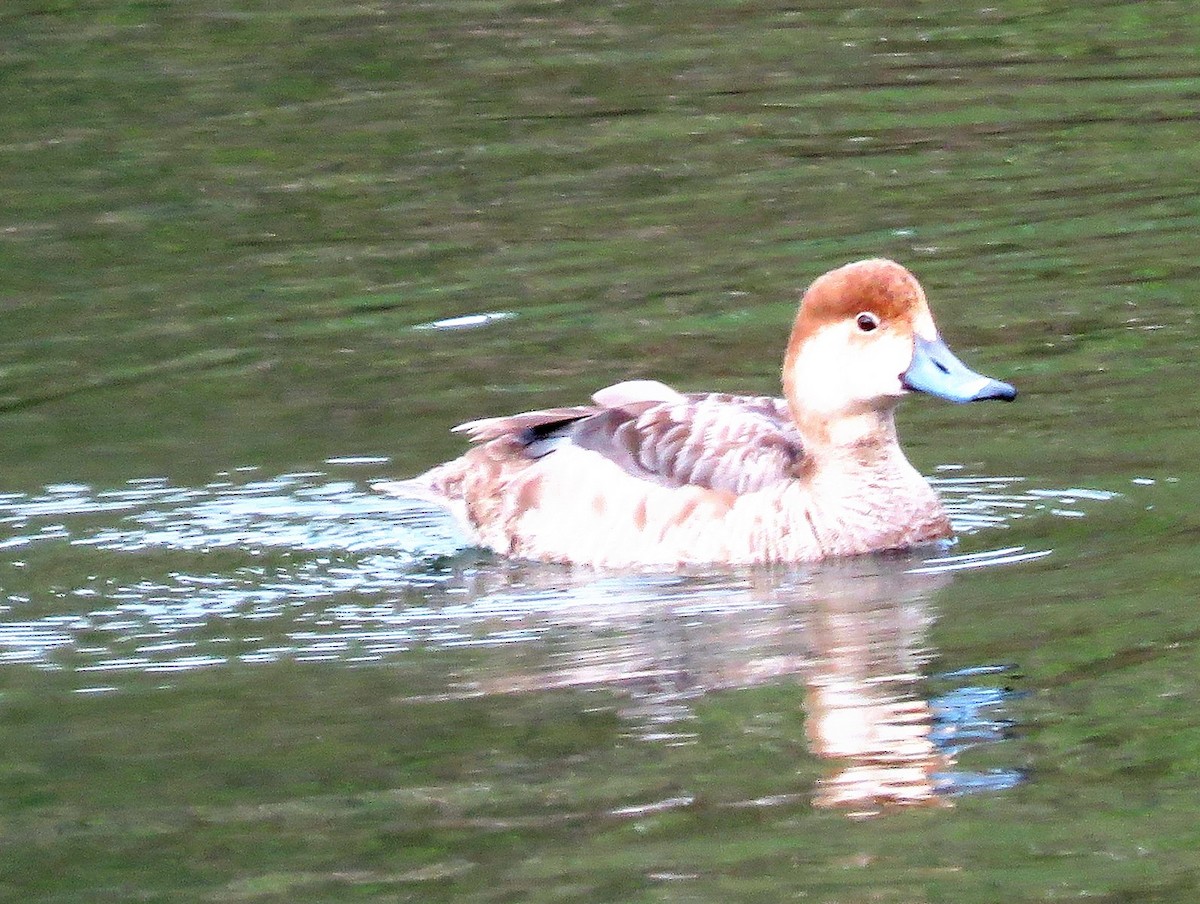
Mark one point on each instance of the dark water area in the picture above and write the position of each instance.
(255, 256)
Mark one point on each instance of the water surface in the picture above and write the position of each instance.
(254, 256)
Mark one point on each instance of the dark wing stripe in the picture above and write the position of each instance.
(490, 428)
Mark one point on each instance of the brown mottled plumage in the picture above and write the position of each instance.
(649, 476)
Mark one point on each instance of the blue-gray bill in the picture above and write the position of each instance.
(937, 371)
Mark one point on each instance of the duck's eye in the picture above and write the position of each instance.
(867, 321)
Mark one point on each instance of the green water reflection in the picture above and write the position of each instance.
(221, 224)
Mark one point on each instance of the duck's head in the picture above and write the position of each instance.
(864, 338)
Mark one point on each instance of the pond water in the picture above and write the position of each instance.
(254, 257)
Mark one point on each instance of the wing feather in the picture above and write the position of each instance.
(731, 443)
(490, 428)
(736, 444)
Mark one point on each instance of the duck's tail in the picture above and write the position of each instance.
(440, 486)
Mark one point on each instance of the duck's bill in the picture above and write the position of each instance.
(937, 371)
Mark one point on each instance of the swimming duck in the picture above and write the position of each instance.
(648, 476)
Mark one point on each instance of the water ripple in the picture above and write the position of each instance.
(313, 567)
(156, 579)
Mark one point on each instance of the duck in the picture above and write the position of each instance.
(647, 476)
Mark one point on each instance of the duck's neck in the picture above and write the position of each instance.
(868, 436)
(868, 494)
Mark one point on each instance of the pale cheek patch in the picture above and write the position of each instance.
(840, 369)
(818, 369)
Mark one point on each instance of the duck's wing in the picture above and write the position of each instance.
(517, 426)
(531, 426)
(736, 444)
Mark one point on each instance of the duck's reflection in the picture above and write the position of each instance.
(855, 633)
(864, 702)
